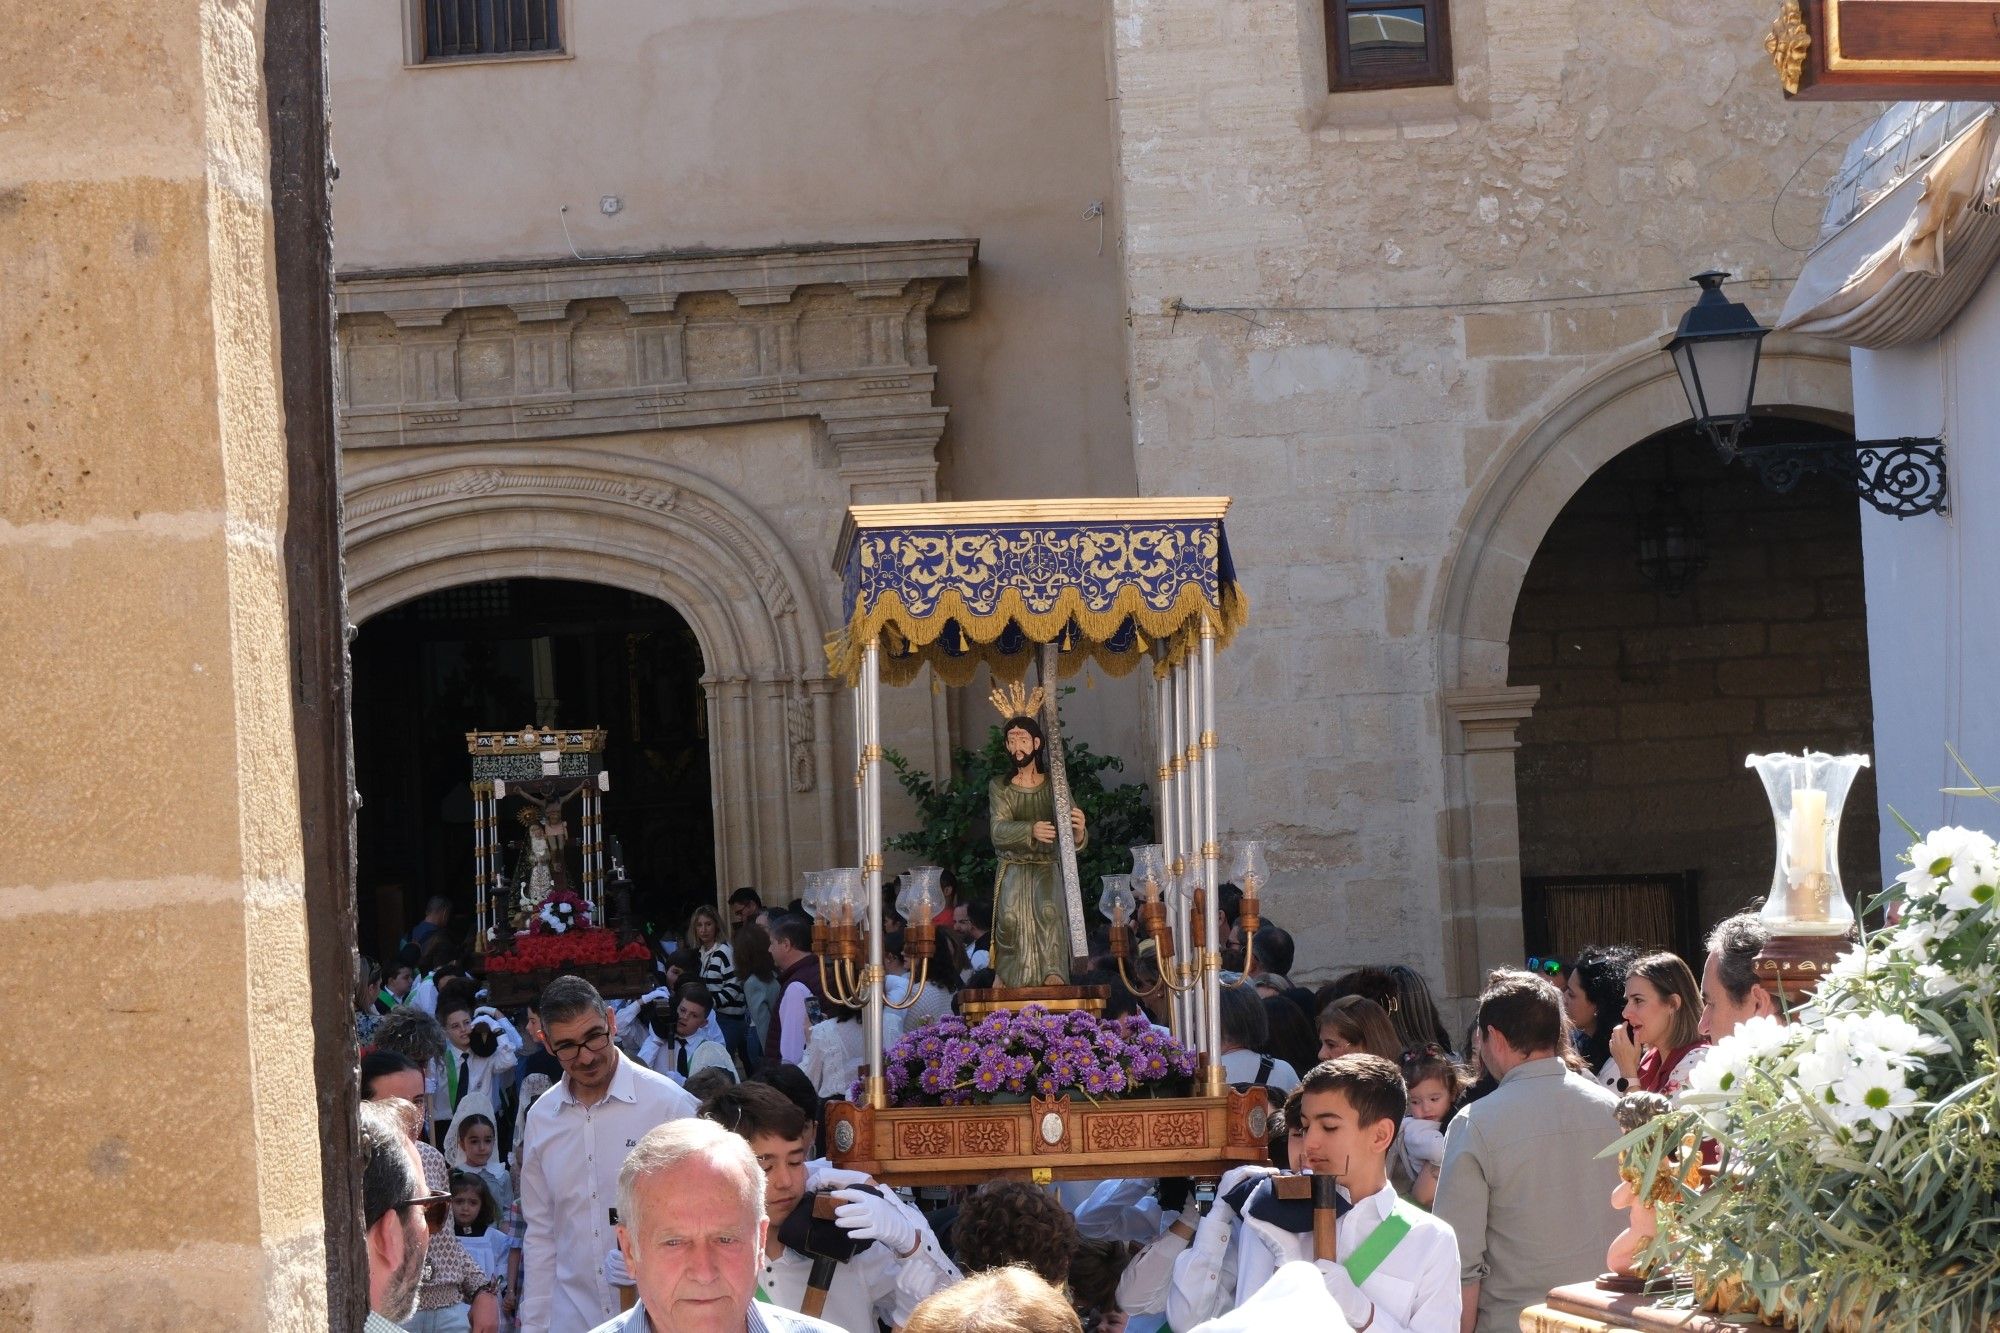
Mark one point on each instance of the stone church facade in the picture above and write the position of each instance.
(643, 312)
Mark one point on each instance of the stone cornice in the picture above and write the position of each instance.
(487, 353)
(1485, 718)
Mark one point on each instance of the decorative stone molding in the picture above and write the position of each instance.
(1487, 718)
(513, 351)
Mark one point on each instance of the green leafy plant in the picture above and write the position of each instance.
(1859, 1184)
(954, 831)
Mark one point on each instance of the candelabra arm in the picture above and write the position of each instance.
(1134, 986)
(1181, 988)
(916, 990)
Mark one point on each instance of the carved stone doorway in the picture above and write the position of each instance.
(508, 652)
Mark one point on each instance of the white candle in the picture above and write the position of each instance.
(1808, 832)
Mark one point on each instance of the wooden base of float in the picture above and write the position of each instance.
(1584, 1308)
(614, 981)
(1051, 1140)
(976, 1004)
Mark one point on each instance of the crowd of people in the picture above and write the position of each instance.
(657, 1164)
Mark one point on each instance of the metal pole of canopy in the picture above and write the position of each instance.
(1197, 1019)
(1179, 855)
(1164, 719)
(871, 864)
(1211, 862)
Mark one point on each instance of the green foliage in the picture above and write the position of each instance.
(955, 818)
(1859, 1183)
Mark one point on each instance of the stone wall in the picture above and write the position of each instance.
(162, 1142)
(1410, 379)
(725, 124)
(1633, 759)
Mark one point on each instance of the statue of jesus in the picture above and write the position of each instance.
(1031, 945)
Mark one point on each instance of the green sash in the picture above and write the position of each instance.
(1381, 1242)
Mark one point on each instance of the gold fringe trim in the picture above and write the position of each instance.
(909, 642)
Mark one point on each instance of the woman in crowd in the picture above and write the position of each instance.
(1594, 995)
(1246, 1032)
(759, 978)
(1660, 1041)
(1292, 1038)
(1353, 1024)
(718, 972)
(942, 977)
(1403, 995)
(835, 1048)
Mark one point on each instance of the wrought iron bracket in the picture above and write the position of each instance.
(1903, 477)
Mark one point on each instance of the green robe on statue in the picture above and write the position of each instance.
(1030, 935)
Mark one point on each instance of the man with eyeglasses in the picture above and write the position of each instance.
(576, 1137)
(394, 1204)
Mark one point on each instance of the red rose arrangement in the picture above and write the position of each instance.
(560, 935)
(584, 946)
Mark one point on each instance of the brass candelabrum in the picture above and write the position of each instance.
(1138, 895)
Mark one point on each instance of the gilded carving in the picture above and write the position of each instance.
(1787, 43)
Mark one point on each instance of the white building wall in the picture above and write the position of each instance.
(1934, 582)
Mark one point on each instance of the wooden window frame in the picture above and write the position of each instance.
(1437, 33)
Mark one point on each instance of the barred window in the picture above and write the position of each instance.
(471, 29)
(1387, 43)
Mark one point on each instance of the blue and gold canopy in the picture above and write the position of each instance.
(1112, 581)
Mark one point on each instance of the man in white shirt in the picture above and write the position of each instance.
(885, 1281)
(576, 1137)
(1395, 1267)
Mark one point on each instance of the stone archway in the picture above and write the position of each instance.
(521, 511)
(1511, 509)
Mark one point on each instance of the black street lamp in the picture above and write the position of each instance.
(1716, 348)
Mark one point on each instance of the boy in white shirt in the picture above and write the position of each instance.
(1396, 1267)
(885, 1281)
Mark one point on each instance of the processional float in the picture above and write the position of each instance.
(1051, 586)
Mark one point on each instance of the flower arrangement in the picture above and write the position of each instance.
(1008, 1055)
(561, 911)
(559, 934)
(1860, 1141)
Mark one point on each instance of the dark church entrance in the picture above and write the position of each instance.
(510, 653)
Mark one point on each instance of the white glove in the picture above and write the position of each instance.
(615, 1271)
(866, 1216)
(829, 1177)
(1234, 1177)
(1353, 1303)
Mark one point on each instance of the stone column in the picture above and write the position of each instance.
(162, 1138)
(823, 689)
(1482, 832)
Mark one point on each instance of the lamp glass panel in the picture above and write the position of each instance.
(1727, 371)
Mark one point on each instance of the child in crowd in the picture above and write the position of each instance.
(475, 1220)
(476, 1142)
(1396, 1269)
(1436, 1084)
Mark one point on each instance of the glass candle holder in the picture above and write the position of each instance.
(1807, 792)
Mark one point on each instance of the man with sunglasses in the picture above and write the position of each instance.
(394, 1201)
(576, 1137)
